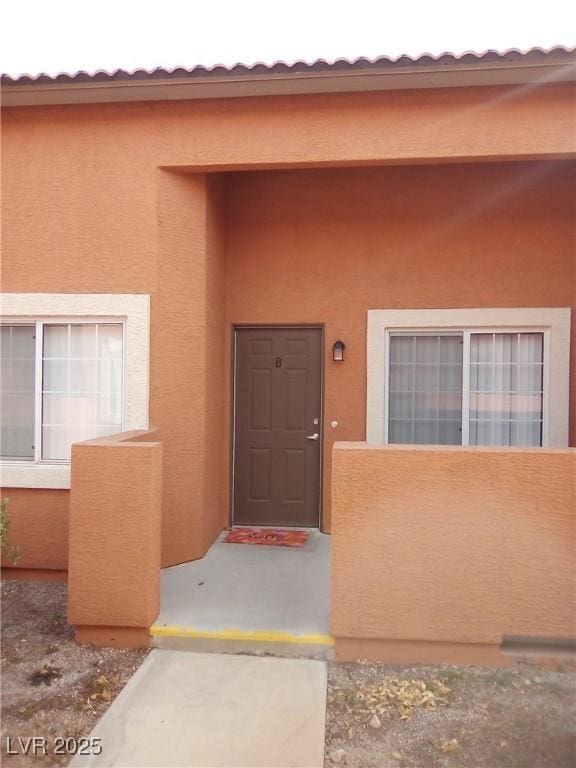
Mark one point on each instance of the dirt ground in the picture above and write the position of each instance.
(450, 717)
(51, 687)
(378, 716)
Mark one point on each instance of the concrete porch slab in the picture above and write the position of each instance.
(209, 710)
(247, 598)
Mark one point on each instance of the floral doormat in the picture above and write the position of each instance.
(272, 537)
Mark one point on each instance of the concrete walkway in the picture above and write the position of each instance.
(241, 597)
(216, 711)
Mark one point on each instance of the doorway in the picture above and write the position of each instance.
(277, 450)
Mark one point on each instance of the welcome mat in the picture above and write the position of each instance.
(271, 537)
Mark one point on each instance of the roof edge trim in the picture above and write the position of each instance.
(479, 72)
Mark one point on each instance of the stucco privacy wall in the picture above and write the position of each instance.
(115, 510)
(439, 553)
(86, 210)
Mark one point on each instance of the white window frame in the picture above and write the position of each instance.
(133, 312)
(554, 323)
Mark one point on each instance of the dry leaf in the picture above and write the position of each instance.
(446, 745)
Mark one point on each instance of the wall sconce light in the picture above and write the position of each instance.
(338, 351)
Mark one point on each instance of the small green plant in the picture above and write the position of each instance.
(13, 552)
(451, 675)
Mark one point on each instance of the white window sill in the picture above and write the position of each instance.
(28, 475)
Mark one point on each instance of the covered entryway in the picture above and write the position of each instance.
(277, 426)
(244, 598)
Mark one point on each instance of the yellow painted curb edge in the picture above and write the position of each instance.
(259, 635)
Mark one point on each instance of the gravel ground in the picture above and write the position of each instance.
(51, 686)
(454, 717)
(378, 716)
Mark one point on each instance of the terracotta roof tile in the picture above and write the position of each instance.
(558, 53)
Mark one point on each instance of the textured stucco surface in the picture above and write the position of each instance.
(187, 382)
(90, 206)
(38, 526)
(327, 246)
(215, 507)
(115, 508)
(453, 545)
(33, 574)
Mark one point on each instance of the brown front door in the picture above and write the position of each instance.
(277, 433)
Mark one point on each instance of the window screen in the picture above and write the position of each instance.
(17, 373)
(81, 385)
(425, 403)
(506, 387)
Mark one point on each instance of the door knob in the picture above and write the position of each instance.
(315, 436)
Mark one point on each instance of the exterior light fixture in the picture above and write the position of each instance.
(338, 351)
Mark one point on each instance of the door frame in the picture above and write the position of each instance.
(274, 326)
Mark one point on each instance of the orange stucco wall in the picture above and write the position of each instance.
(38, 527)
(94, 201)
(440, 553)
(326, 246)
(115, 511)
(187, 381)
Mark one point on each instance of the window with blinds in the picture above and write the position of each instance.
(17, 390)
(506, 388)
(425, 389)
(466, 388)
(61, 383)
